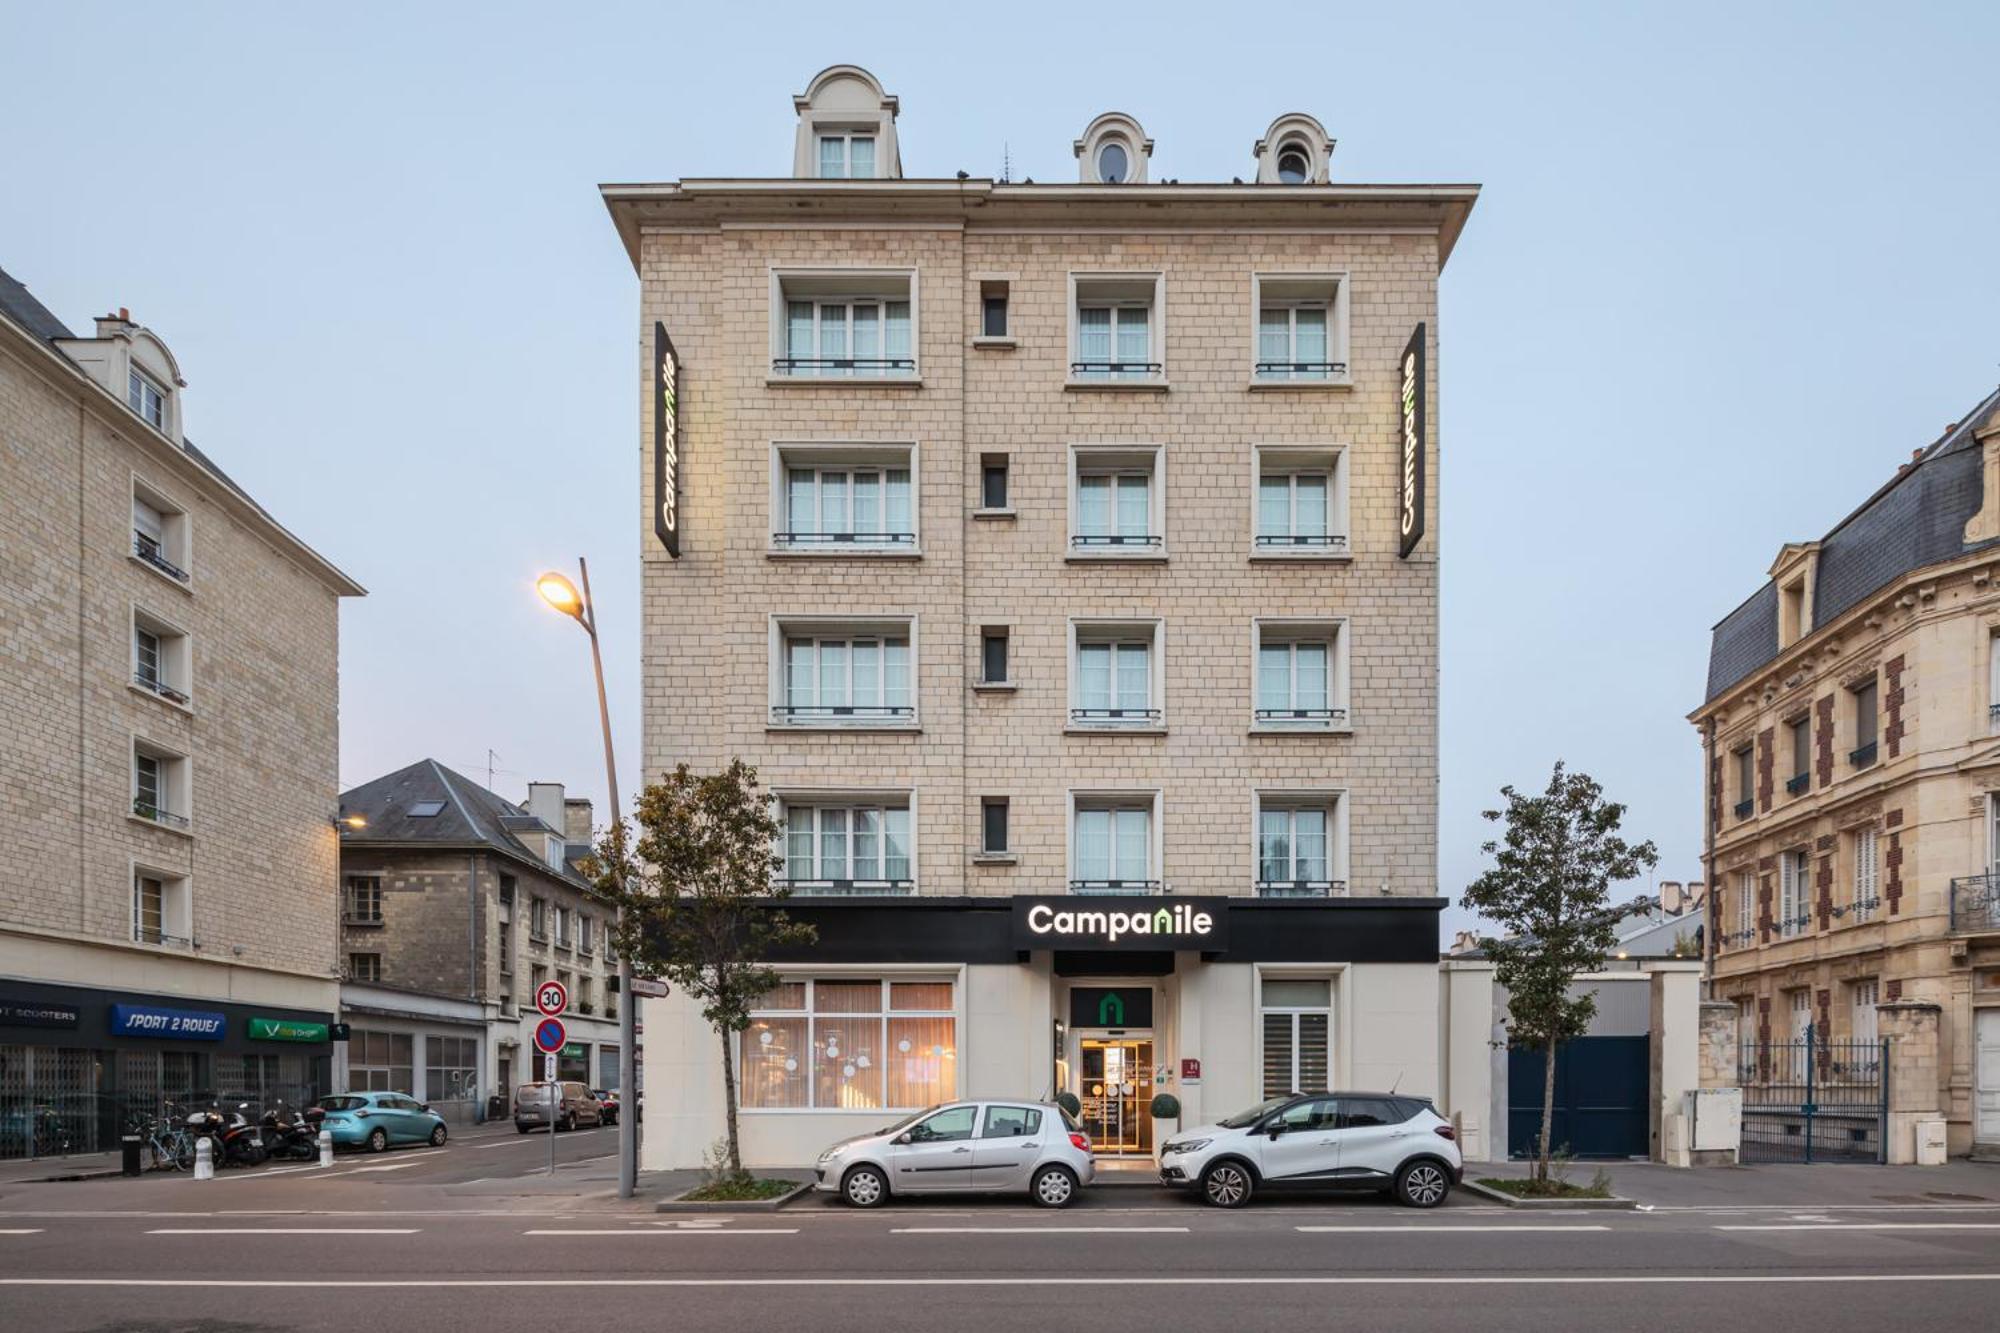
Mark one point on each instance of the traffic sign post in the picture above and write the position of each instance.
(551, 1035)
(552, 997)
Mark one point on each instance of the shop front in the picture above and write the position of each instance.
(902, 1003)
(429, 1047)
(77, 1063)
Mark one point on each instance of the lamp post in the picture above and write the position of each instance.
(561, 594)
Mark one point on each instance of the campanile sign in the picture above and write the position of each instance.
(666, 441)
(1138, 923)
(1412, 403)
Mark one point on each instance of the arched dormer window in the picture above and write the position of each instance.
(1294, 151)
(1114, 150)
(847, 128)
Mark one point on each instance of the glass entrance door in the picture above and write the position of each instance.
(1116, 1078)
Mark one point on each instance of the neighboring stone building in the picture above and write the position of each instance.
(168, 749)
(1053, 550)
(454, 905)
(1852, 743)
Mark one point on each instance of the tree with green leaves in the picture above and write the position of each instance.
(696, 891)
(1549, 890)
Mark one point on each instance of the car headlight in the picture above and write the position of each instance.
(1185, 1145)
(829, 1155)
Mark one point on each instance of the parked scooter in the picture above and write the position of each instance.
(207, 1123)
(243, 1141)
(286, 1134)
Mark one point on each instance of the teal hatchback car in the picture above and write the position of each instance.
(374, 1120)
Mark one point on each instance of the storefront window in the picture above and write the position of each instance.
(851, 1045)
(1297, 1016)
(380, 1062)
(451, 1072)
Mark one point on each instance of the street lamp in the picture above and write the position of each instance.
(562, 595)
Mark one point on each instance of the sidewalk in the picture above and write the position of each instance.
(1779, 1186)
(76, 1166)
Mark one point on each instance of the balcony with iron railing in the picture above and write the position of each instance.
(1975, 904)
(1279, 371)
(147, 548)
(846, 715)
(1303, 718)
(1301, 888)
(1112, 719)
(152, 684)
(845, 367)
(1744, 809)
(1103, 543)
(149, 935)
(849, 888)
(155, 813)
(1862, 756)
(1115, 372)
(1115, 887)
(1269, 542)
(843, 541)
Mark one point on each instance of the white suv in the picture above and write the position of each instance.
(1337, 1140)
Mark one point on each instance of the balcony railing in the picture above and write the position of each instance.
(836, 540)
(1114, 717)
(1299, 370)
(858, 367)
(1301, 888)
(1993, 716)
(148, 550)
(1116, 370)
(142, 935)
(1794, 927)
(1115, 886)
(1744, 809)
(1975, 904)
(805, 714)
(849, 888)
(1862, 756)
(1797, 783)
(146, 809)
(1324, 541)
(1099, 541)
(1303, 717)
(154, 685)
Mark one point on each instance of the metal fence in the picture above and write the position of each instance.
(1815, 1100)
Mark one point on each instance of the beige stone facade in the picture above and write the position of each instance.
(150, 610)
(1852, 780)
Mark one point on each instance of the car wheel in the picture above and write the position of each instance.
(864, 1187)
(1422, 1184)
(1227, 1185)
(438, 1137)
(1053, 1187)
(520, 1128)
(569, 1123)
(378, 1140)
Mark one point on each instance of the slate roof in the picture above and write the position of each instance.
(471, 817)
(1917, 518)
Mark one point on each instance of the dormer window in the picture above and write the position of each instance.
(1113, 162)
(1294, 168)
(847, 128)
(145, 396)
(846, 156)
(1294, 151)
(1113, 151)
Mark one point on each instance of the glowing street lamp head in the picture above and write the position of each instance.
(561, 594)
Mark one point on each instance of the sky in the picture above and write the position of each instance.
(1731, 264)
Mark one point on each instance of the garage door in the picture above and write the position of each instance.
(1601, 1088)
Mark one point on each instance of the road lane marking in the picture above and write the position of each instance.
(1860, 1226)
(20, 1231)
(283, 1231)
(692, 1231)
(1035, 1231)
(822, 1282)
(1391, 1227)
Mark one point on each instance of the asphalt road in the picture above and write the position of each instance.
(441, 1260)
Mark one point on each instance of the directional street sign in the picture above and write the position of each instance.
(550, 1035)
(549, 1067)
(552, 997)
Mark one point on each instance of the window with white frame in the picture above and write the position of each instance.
(1747, 1045)
(1746, 908)
(1866, 875)
(846, 156)
(1302, 322)
(160, 785)
(848, 846)
(858, 324)
(1297, 846)
(161, 912)
(361, 900)
(1113, 844)
(851, 1044)
(1792, 919)
(1993, 682)
(563, 915)
(159, 532)
(1115, 675)
(844, 675)
(1301, 504)
(1117, 501)
(1296, 1025)
(1799, 1002)
(160, 657)
(1865, 994)
(1116, 328)
(837, 500)
(146, 396)
(1301, 672)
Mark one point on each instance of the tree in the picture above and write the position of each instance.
(1550, 892)
(697, 889)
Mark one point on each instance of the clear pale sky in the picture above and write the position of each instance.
(1732, 263)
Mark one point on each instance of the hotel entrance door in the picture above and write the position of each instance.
(1117, 1093)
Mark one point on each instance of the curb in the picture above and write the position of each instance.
(1502, 1197)
(677, 1205)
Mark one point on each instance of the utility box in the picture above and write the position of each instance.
(1716, 1117)
(1930, 1142)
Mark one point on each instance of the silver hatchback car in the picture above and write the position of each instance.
(984, 1146)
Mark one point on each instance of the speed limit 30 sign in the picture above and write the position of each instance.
(552, 997)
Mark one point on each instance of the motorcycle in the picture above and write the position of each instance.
(288, 1135)
(242, 1140)
(207, 1123)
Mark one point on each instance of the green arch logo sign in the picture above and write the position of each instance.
(1111, 1010)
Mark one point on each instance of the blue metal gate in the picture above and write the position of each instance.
(1814, 1100)
(1602, 1084)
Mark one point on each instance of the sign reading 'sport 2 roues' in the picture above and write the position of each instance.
(1082, 922)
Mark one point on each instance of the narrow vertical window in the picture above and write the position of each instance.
(993, 825)
(993, 481)
(1865, 875)
(1863, 753)
(993, 310)
(993, 656)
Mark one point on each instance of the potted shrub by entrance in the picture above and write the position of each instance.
(1165, 1106)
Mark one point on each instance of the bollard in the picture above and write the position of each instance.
(204, 1158)
(131, 1144)
(326, 1147)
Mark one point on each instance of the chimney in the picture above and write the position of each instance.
(577, 825)
(1670, 897)
(545, 802)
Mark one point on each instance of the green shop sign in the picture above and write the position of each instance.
(286, 1029)
(575, 1051)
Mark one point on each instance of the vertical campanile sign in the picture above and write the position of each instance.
(1412, 400)
(666, 441)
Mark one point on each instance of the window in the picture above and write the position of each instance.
(1800, 1004)
(1011, 1122)
(1297, 1018)
(1993, 682)
(993, 655)
(853, 324)
(1294, 168)
(1866, 995)
(846, 156)
(426, 809)
(562, 927)
(1863, 753)
(1301, 503)
(159, 533)
(1792, 612)
(364, 966)
(538, 919)
(144, 395)
(1116, 331)
(586, 933)
(1115, 676)
(838, 500)
(1112, 845)
(161, 909)
(1747, 1045)
(1117, 505)
(858, 848)
(1302, 323)
(1866, 875)
(1792, 918)
(1746, 907)
(1296, 852)
(160, 658)
(380, 1061)
(451, 1072)
(845, 676)
(504, 928)
(1301, 676)
(361, 900)
(993, 312)
(993, 482)
(851, 1045)
(537, 974)
(993, 825)
(585, 1001)
(1801, 779)
(1746, 788)
(160, 786)
(1114, 164)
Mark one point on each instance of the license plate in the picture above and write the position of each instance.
(257, 1143)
